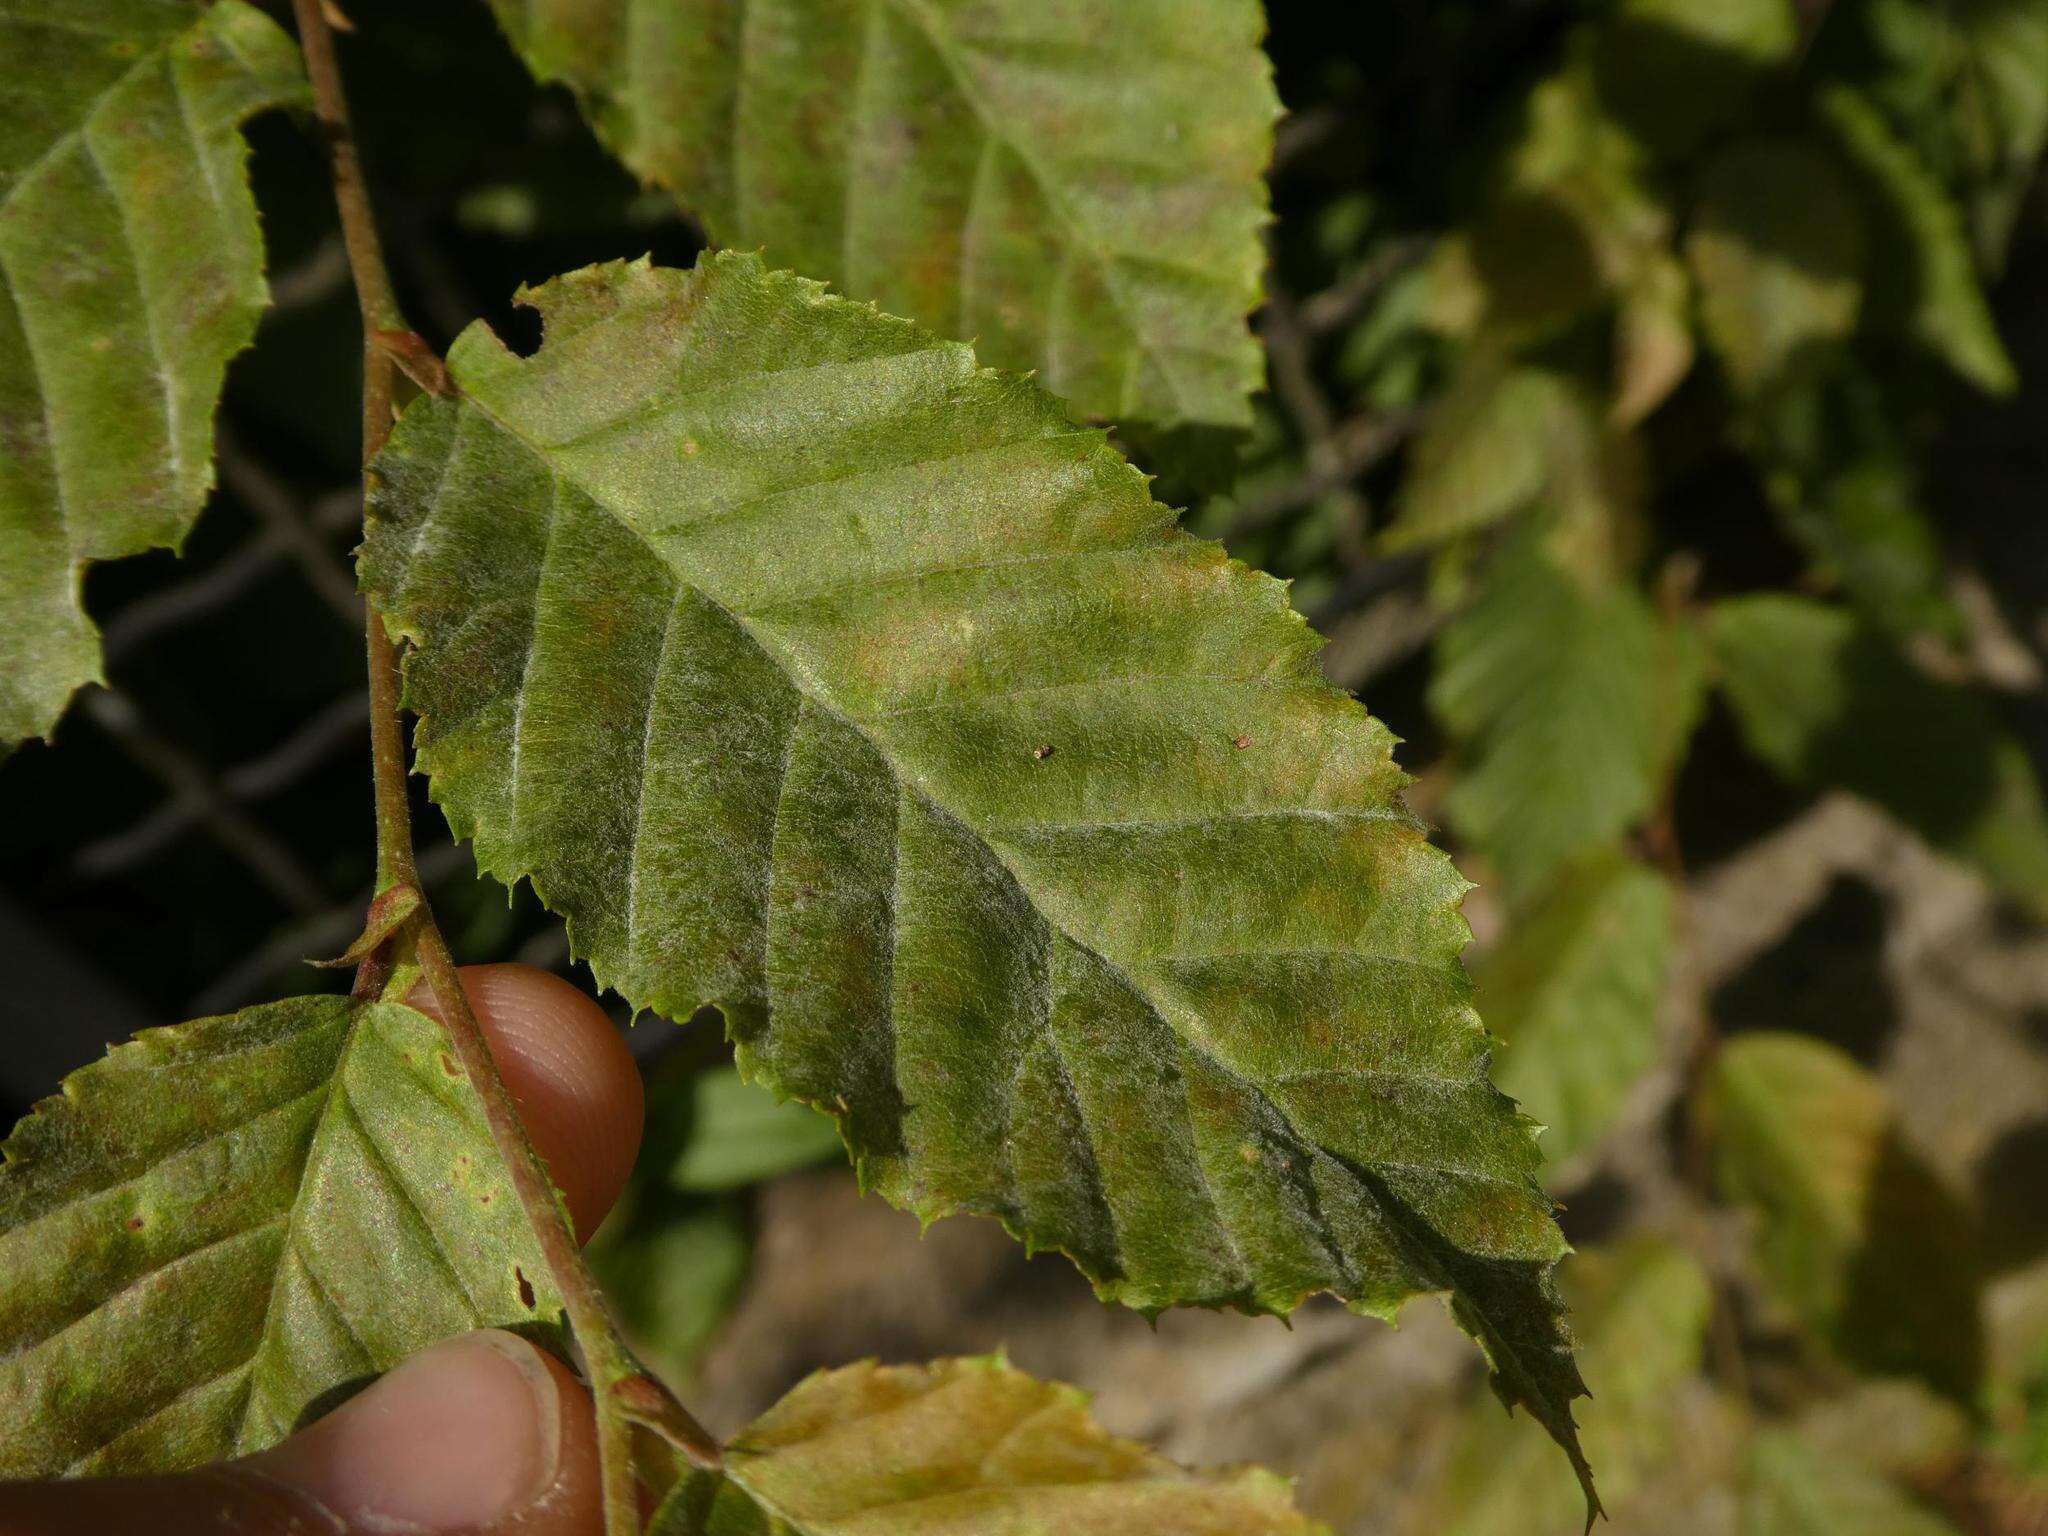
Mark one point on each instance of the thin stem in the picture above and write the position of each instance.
(608, 1363)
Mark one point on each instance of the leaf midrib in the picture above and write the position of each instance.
(1417, 1241)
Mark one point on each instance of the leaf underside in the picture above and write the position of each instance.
(219, 1224)
(1008, 823)
(131, 270)
(1077, 186)
(959, 1448)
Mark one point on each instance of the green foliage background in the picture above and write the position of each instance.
(1654, 410)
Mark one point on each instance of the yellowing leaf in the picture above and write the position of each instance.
(221, 1223)
(131, 270)
(1008, 824)
(1870, 1249)
(1075, 187)
(959, 1448)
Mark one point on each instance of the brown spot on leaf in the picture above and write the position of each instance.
(689, 447)
(133, 1223)
(525, 1287)
(448, 1065)
(1241, 742)
(1040, 754)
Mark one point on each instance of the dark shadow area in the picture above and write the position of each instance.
(1596, 1210)
(1911, 1304)
(2010, 1178)
(1824, 978)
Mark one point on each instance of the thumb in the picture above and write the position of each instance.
(482, 1435)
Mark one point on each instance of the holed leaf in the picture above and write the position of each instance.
(1575, 992)
(1079, 186)
(220, 1224)
(131, 270)
(1828, 701)
(817, 673)
(959, 1448)
(1864, 1241)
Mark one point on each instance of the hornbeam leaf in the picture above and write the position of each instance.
(1795, 1489)
(1924, 280)
(1575, 991)
(1077, 185)
(960, 1448)
(218, 1225)
(1828, 701)
(131, 270)
(1777, 250)
(1869, 1246)
(816, 673)
(1642, 1311)
(1569, 697)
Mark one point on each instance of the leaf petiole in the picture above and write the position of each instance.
(621, 1389)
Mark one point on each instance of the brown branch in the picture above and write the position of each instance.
(608, 1363)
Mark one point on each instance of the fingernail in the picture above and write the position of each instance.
(459, 1436)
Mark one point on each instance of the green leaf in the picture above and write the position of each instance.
(672, 1267)
(959, 1448)
(1829, 702)
(1796, 1490)
(1858, 1235)
(220, 1224)
(739, 1135)
(1966, 84)
(1574, 992)
(1499, 439)
(1923, 280)
(814, 672)
(131, 270)
(1678, 71)
(1847, 489)
(1777, 251)
(1077, 187)
(1566, 694)
(1641, 1310)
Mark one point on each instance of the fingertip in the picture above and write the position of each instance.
(480, 1434)
(577, 1086)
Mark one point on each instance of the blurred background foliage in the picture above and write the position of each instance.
(1658, 393)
